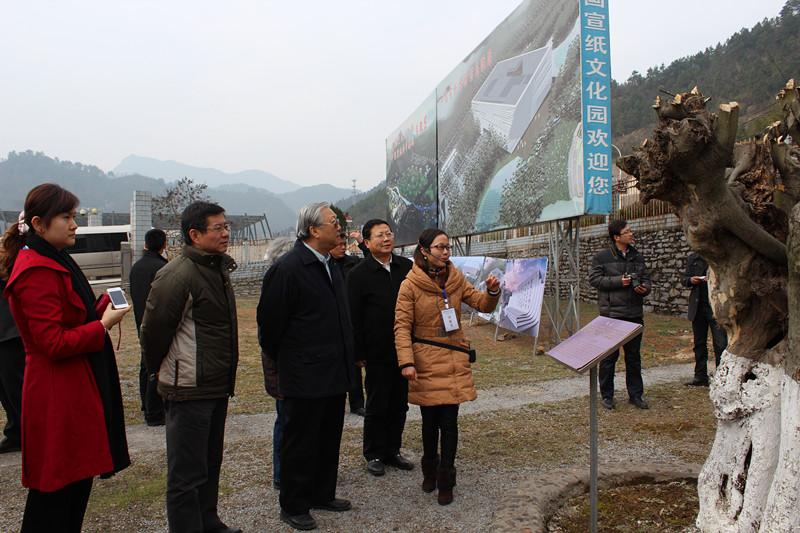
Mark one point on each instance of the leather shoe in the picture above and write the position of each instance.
(336, 505)
(7, 447)
(398, 461)
(303, 521)
(375, 467)
(638, 402)
(696, 383)
(360, 411)
(223, 529)
(608, 403)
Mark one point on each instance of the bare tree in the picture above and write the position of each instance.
(171, 204)
(738, 205)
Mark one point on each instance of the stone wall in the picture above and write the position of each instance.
(660, 239)
(247, 278)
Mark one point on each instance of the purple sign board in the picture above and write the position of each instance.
(594, 342)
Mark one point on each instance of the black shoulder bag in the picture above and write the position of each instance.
(472, 354)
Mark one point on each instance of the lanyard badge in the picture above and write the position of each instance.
(449, 317)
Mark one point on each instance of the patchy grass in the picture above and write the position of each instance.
(537, 437)
(663, 507)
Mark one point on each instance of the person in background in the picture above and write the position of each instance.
(73, 425)
(620, 276)
(141, 277)
(355, 234)
(189, 339)
(702, 317)
(347, 262)
(12, 372)
(305, 326)
(276, 249)
(372, 289)
(433, 352)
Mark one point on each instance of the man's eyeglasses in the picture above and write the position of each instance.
(334, 224)
(442, 247)
(629, 232)
(219, 227)
(381, 236)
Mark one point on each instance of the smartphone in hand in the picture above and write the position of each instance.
(118, 299)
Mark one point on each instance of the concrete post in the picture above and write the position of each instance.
(141, 221)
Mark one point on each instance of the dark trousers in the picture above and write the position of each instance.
(633, 367)
(152, 404)
(195, 436)
(12, 372)
(277, 441)
(310, 451)
(436, 420)
(703, 320)
(387, 404)
(60, 511)
(356, 395)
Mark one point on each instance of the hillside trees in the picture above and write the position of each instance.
(739, 207)
(737, 70)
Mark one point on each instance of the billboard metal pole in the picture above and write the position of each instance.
(593, 447)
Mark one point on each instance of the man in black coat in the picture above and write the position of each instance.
(620, 276)
(142, 274)
(372, 288)
(12, 372)
(702, 317)
(305, 326)
(347, 262)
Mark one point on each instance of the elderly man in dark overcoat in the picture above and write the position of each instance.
(305, 326)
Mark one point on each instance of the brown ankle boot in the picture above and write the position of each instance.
(445, 480)
(429, 467)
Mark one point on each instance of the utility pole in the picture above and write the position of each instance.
(354, 186)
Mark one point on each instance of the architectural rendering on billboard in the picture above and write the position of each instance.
(523, 122)
(411, 174)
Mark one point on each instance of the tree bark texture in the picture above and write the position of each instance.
(738, 206)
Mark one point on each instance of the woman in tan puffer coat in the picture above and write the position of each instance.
(440, 378)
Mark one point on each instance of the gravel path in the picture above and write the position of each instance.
(393, 502)
(245, 427)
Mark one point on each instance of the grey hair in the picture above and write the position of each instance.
(278, 247)
(309, 215)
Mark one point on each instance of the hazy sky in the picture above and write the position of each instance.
(308, 91)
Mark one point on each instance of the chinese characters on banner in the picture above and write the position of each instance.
(596, 102)
(475, 69)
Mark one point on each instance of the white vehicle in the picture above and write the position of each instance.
(97, 250)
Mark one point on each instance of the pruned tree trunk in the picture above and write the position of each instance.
(738, 205)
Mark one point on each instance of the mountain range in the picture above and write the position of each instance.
(251, 194)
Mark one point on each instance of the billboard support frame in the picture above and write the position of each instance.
(563, 238)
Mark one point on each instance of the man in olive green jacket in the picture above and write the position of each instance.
(189, 340)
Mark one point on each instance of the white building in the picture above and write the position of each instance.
(510, 97)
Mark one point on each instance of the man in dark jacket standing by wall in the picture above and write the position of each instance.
(305, 326)
(348, 262)
(142, 274)
(702, 317)
(189, 338)
(620, 276)
(372, 289)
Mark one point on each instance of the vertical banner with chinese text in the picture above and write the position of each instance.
(596, 103)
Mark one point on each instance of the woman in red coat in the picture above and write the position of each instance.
(72, 419)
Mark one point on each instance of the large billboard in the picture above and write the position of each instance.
(523, 122)
(411, 174)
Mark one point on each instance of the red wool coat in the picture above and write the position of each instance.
(64, 435)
